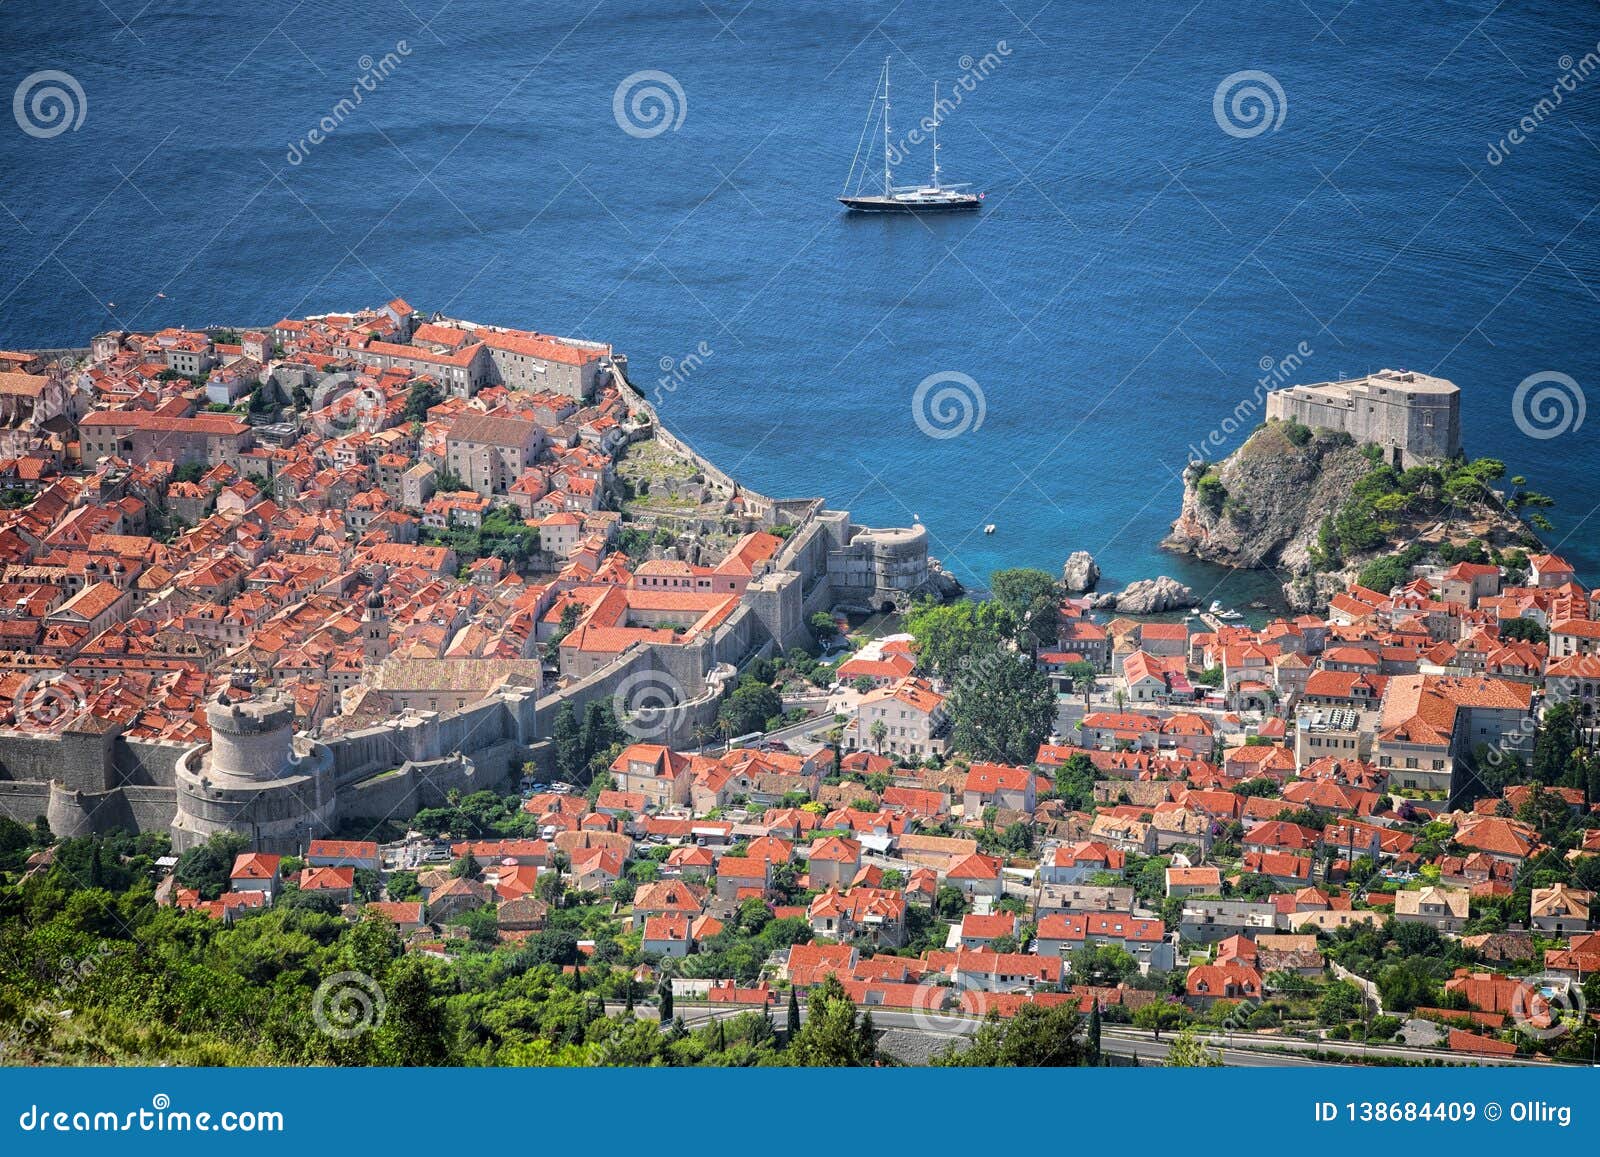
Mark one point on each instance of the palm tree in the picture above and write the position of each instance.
(701, 733)
(1086, 683)
(879, 731)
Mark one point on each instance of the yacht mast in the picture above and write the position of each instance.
(936, 134)
(886, 178)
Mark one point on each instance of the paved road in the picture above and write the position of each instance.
(1242, 1050)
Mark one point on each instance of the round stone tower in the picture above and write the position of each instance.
(251, 740)
(255, 778)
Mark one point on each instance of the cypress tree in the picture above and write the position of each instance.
(793, 1025)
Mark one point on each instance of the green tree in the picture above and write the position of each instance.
(423, 397)
(1159, 1015)
(1074, 782)
(1037, 1036)
(1556, 746)
(750, 706)
(950, 638)
(950, 901)
(792, 1023)
(209, 866)
(1341, 1002)
(1190, 1052)
(1523, 630)
(568, 737)
(832, 1035)
(413, 1028)
(1002, 710)
(1033, 599)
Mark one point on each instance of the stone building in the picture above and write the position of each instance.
(1414, 417)
(488, 452)
(880, 569)
(142, 436)
(534, 362)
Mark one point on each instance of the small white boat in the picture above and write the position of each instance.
(1216, 606)
(989, 529)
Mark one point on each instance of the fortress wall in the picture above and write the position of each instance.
(471, 729)
(758, 505)
(358, 753)
(24, 802)
(385, 795)
(1419, 424)
(404, 791)
(151, 808)
(73, 814)
(81, 760)
(137, 762)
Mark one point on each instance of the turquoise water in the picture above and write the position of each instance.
(1134, 269)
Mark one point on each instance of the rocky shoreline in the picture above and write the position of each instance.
(1314, 509)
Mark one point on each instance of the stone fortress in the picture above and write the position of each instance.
(258, 778)
(1415, 417)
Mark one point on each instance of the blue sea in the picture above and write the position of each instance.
(1181, 199)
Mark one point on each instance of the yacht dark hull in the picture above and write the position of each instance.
(904, 205)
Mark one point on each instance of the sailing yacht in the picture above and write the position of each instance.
(934, 197)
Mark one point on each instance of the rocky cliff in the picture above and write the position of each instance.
(1261, 507)
(1267, 504)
